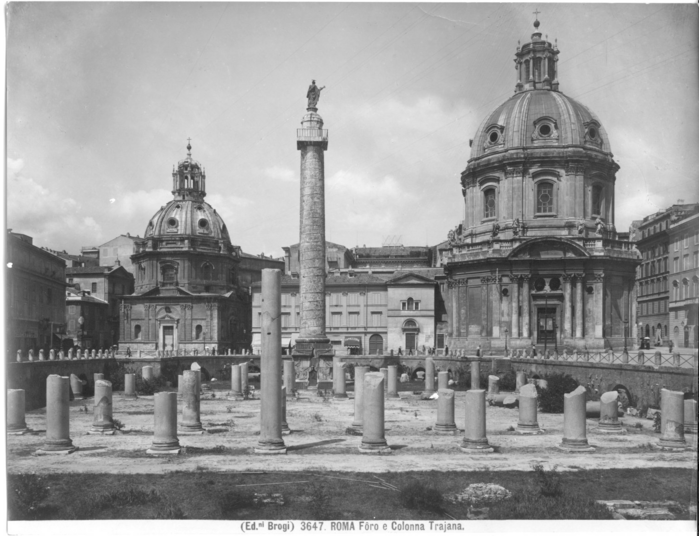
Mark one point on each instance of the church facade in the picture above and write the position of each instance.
(537, 259)
(187, 290)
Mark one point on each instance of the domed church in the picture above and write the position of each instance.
(537, 258)
(187, 295)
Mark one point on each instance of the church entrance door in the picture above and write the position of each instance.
(546, 325)
(409, 342)
(168, 337)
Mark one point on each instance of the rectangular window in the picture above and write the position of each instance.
(417, 305)
(376, 298)
(336, 298)
(685, 240)
(686, 263)
(376, 319)
(440, 340)
(677, 244)
(353, 298)
(336, 320)
(105, 252)
(696, 259)
(676, 265)
(404, 306)
(285, 320)
(489, 203)
(353, 320)
(285, 299)
(94, 287)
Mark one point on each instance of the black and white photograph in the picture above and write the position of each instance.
(351, 268)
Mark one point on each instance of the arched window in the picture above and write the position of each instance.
(137, 332)
(169, 275)
(207, 271)
(685, 289)
(489, 203)
(526, 70)
(675, 290)
(544, 198)
(665, 329)
(597, 200)
(197, 332)
(537, 69)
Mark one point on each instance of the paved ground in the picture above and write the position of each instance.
(319, 441)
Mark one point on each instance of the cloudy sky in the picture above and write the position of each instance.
(101, 98)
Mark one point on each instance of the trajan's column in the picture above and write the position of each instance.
(312, 141)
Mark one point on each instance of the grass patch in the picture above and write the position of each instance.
(421, 497)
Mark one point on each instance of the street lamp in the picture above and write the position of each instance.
(506, 332)
(626, 331)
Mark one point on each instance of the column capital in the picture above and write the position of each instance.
(599, 277)
(567, 277)
(526, 277)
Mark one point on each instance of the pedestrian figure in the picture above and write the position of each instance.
(478, 351)
(400, 350)
(670, 345)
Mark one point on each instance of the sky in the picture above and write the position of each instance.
(102, 97)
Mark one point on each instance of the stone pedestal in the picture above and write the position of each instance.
(528, 399)
(359, 373)
(130, 386)
(102, 423)
(429, 377)
(339, 387)
(76, 385)
(475, 440)
(16, 423)
(244, 379)
(690, 416)
(442, 380)
(493, 385)
(392, 391)
(147, 373)
(271, 441)
(42, 357)
(236, 384)
(574, 423)
(521, 381)
(52, 355)
(191, 414)
(285, 426)
(165, 439)
(475, 374)
(672, 420)
(609, 414)
(445, 412)
(57, 417)
(373, 438)
(289, 376)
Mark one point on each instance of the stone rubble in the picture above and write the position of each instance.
(480, 493)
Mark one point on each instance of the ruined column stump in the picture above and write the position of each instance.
(191, 410)
(493, 385)
(76, 386)
(102, 422)
(130, 386)
(57, 417)
(339, 384)
(672, 420)
(16, 423)
(528, 399)
(236, 384)
(147, 373)
(373, 438)
(442, 380)
(609, 414)
(165, 439)
(180, 387)
(244, 379)
(574, 422)
(445, 412)
(475, 374)
(359, 373)
(475, 440)
(690, 416)
(392, 391)
(520, 381)
(429, 378)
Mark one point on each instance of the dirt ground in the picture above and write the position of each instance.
(319, 440)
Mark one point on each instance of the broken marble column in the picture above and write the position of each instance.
(57, 416)
(574, 422)
(690, 416)
(475, 374)
(236, 388)
(392, 391)
(359, 373)
(102, 422)
(445, 412)
(520, 381)
(271, 441)
(373, 438)
(285, 426)
(493, 385)
(180, 386)
(16, 423)
(130, 386)
(97, 376)
(429, 377)
(528, 399)
(191, 410)
(289, 376)
(475, 439)
(442, 380)
(672, 419)
(339, 383)
(609, 414)
(147, 373)
(76, 385)
(165, 439)
(384, 371)
(244, 378)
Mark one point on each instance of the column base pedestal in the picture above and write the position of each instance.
(18, 431)
(672, 444)
(367, 448)
(45, 452)
(164, 452)
(690, 428)
(340, 395)
(479, 446)
(575, 445)
(267, 450)
(609, 428)
(101, 431)
(530, 429)
(445, 429)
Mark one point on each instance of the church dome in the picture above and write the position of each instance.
(539, 118)
(187, 218)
